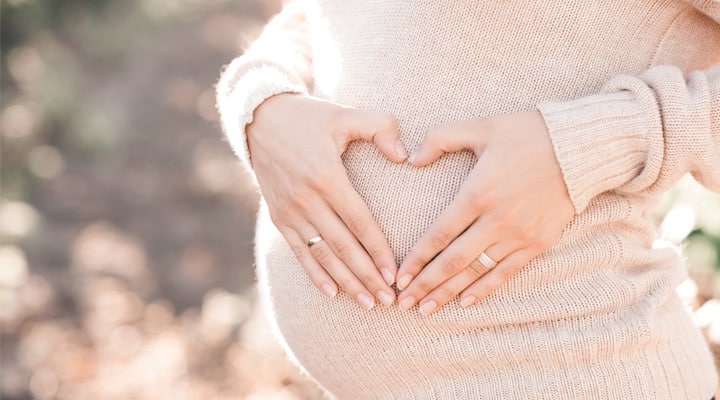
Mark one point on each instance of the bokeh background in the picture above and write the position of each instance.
(126, 225)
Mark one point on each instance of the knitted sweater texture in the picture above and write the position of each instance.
(630, 92)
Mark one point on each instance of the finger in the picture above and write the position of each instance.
(342, 275)
(452, 287)
(448, 263)
(496, 253)
(319, 277)
(461, 212)
(505, 270)
(346, 247)
(353, 211)
(379, 128)
(447, 138)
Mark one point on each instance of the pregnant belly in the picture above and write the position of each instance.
(454, 353)
(329, 336)
(405, 200)
(351, 351)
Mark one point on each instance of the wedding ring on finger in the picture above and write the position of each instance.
(314, 240)
(486, 261)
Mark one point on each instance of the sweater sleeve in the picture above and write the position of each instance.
(278, 61)
(639, 135)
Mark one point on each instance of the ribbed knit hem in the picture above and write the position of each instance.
(237, 107)
(603, 141)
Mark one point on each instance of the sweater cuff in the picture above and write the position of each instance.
(602, 142)
(237, 106)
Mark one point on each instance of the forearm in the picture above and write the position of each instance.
(639, 135)
(277, 62)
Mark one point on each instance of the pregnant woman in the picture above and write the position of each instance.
(456, 194)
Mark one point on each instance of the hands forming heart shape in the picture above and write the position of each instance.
(512, 206)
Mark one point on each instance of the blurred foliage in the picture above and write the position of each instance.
(125, 224)
(43, 43)
(51, 51)
(691, 217)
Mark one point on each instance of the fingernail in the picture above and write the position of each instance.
(388, 276)
(329, 290)
(413, 157)
(400, 150)
(365, 301)
(467, 301)
(407, 303)
(385, 298)
(404, 281)
(428, 307)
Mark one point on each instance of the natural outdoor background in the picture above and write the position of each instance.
(126, 224)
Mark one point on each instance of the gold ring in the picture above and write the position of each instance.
(314, 240)
(485, 260)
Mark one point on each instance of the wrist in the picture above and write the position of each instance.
(274, 105)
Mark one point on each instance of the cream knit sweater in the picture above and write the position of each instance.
(630, 91)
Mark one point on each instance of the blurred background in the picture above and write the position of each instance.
(126, 268)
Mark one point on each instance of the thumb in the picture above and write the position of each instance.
(441, 139)
(379, 128)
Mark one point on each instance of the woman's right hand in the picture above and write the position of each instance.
(295, 142)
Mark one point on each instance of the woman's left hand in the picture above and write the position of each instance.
(512, 206)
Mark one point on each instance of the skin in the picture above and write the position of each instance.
(513, 205)
(298, 167)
